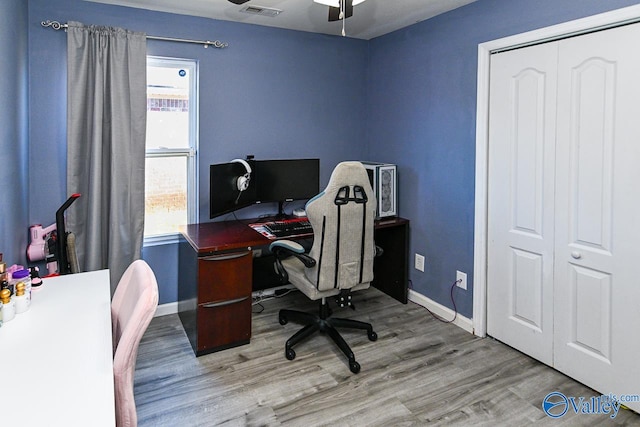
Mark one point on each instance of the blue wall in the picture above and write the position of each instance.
(277, 93)
(272, 93)
(422, 97)
(14, 176)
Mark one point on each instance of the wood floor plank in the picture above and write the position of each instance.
(419, 372)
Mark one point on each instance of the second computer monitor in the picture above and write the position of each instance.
(224, 195)
(287, 180)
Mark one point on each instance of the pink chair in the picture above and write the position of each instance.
(132, 308)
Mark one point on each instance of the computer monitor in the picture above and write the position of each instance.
(271, 181)
(287, 180)
(224, 196)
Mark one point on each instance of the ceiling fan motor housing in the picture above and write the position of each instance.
(334, 12)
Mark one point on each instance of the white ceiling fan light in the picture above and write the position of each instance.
(336, 3)
(345, 10)
(331, 3)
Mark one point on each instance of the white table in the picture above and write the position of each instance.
(57, 366)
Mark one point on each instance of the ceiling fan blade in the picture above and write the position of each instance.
(334, 12)
(238, 1)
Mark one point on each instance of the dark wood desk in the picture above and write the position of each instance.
(216, 262)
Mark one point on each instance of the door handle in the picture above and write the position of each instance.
(225, 257)
(576, 255)
(223, 303)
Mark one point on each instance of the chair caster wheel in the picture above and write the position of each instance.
(354, 366)
(282, 320)
(372, 336)
(290, 354)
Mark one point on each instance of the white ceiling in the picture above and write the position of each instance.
(370, 19)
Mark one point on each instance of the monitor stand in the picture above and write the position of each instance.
(281, 215)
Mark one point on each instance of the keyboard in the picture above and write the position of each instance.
(289, 227)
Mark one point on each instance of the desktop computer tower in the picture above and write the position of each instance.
(384, 181)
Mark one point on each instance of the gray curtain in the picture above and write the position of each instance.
(106, 127)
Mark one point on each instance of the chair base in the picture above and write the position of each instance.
(323, 323)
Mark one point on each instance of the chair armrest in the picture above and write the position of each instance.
(285, 248)
(287, 245)
(379, 251)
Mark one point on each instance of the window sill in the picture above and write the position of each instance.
(164, 239)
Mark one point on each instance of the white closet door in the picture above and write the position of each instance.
(521, 199)
(597, 285)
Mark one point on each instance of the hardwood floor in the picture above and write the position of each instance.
(419, 372)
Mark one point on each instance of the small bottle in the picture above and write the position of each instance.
(8, 305)
(4, 282)
(22, 276)
(20, 299)
(36, 280)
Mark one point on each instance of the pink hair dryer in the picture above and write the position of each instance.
(50, 243)
(38, 249)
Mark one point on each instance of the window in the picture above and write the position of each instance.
(171, 161)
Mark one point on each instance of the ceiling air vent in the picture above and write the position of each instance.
(261, 10)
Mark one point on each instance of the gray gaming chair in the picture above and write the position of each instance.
(340, 260)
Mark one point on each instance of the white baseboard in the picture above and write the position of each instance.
(440, 310)
(165, 309)
(436, 308)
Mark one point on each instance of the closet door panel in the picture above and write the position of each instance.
(597, 210)
(590, 331)
(591, 140)
(521, 199)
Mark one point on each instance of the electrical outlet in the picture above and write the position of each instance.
(419, 264)
(461, 279)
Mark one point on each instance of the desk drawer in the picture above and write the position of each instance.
(224, 324)
(224, 277)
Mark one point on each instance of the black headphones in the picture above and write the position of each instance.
(242, 183)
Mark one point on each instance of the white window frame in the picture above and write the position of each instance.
(191, 152)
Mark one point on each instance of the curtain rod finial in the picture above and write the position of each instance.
(54, 24)
(216, 43)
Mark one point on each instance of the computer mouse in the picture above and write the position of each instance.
(299, 212)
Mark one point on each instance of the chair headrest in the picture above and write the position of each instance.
(348, 173)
